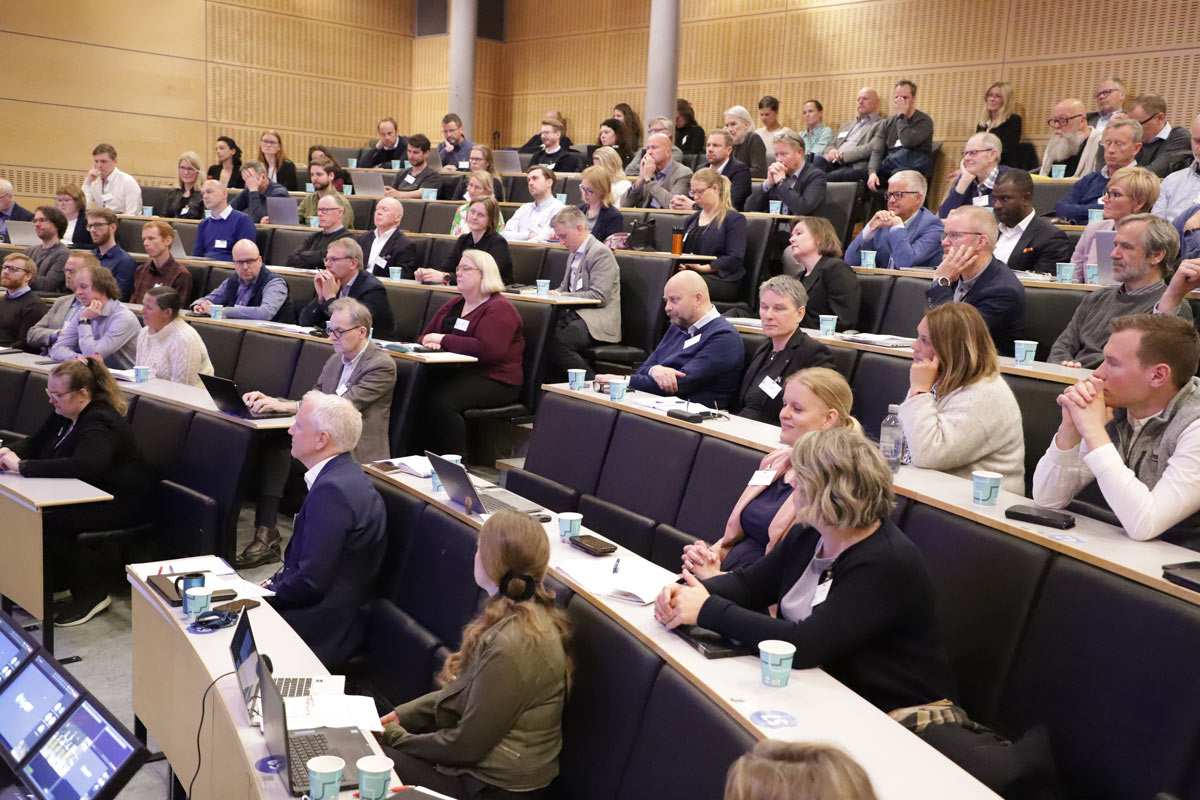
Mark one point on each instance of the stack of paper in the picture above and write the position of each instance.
(878, 339)
(417, 466)
(634, 581)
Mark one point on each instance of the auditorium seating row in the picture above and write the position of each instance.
(1035, 637)
(199, 460)
(626, 707)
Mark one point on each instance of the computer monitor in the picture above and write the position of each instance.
(15, 648)
(31, 703)
(89, 756)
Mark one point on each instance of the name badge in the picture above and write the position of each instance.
(379, 261)
(770, 388)
(897, 144)
(409, 179)
(981, 200)
(341, 390)
(461, 324)
(464, 164)
(221, 243)
(821, 593)
(691, 341)
(762, 477)
(842, 134)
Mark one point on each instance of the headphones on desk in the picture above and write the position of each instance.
(214, 620)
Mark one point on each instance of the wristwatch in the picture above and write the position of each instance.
(942, 281)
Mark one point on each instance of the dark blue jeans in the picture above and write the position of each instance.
(902, 159)
(839, 173)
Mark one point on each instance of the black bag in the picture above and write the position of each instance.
(641, 236)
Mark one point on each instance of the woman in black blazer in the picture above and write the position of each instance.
(997, 118)
(483, 215)
(185, 200)
(86, 437)
(788, 349)
(603, 220)
(228, 169)
(830, 282)
(280, 168)
(69, 200)
(716, 230)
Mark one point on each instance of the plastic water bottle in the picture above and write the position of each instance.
(891, 438)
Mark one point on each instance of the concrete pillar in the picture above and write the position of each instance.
(662, 66)
(461, 98)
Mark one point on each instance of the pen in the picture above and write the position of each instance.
(616, 566)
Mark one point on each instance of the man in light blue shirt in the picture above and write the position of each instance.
(531, 223)
(103, 326)
(254, 293)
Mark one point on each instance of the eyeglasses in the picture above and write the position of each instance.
(898, 195)
(14, 268)
(1104, 93)
(1058, 122)
(334, 259)
(695, 193)
(337, 333)
(245, 262)
(328, 210)
(187, 168)
(977, 152)
(94, 225)
(57, 395)
(954, 236)
(460, 270)
(1113, 194)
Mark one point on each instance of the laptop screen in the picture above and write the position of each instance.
(274, 723)
(245, 662)
(81, 757)
(30, 705)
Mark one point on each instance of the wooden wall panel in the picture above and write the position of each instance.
(431, 62)
(1137, 28)
(174, 28)
(386, 15)
(626, 14)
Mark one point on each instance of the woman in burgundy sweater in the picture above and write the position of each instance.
(480, 323)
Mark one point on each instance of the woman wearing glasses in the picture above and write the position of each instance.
(483, 323)
(480, 160)
(185, 200)
(69, 200)
(85, 437)
(998, 119)
(1131, 190)
(716, 230)
(603, 220)
(280, 168)
(483, 218)
(477, 184)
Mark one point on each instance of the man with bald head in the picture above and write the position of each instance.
(223, 226)
(385, 246)
(700, 356)
(253, 293)
(10, 210)
(1069, 133)
(659, 177)
(849, 153)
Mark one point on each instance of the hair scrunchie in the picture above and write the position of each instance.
(530, 585)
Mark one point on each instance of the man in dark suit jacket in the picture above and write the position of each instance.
(312, 253)
(719, 150)
(969, 274)
(344, 276)
(394, 248)
(800, 187)
(1026, 241)
(1165, 147)
(10, 210)
(332, 560)
(390, 146)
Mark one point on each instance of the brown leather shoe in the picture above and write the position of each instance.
(263, 550)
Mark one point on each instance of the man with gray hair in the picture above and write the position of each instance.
(344, 276)
(1122, 139)
(252, 200)
(10, 210)
(332, 560)
(903, 235)
(657, 125)
(1145, 255)
(748, 148)
(658, 177)
(969, 273)
(977, 174)
(330, 228)
(849, 153)
(356, 371)
(592, 273)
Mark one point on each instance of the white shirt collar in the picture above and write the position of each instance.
(383, 236)
(310, 477)
(357, 356)
(1020, 226)
(720, 168)
(1165, 132)
(225, 214)
(13, 295)
(708, 317)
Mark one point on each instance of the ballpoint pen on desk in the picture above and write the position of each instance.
(616, 566)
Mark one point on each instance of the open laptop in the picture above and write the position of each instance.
(293, 749)
(458, 485)
(177, 250)
(1104, 247)
(245, 663)
(22, 233)
(283, 211)
(506, 162)
(229, 399)
(367, 183)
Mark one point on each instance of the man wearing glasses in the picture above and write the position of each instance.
(311, 254)
(905, 234)
(253, 293)
(1110, 99)
(225, 225)
(977, 174)
(1122, 140)
(1069, 133)
(455, 148)
(343, 276)
(20, 308)
(358, 372)
(102, 225)
(970, 274)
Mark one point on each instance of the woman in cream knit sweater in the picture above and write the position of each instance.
(168, 345)
(960, 415)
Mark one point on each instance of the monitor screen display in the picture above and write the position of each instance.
(14, 649)
(30, 704)
(80, 758)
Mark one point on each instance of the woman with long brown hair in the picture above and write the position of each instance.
(280, 168)
(494, 729)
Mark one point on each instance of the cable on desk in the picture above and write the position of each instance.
(200, 727)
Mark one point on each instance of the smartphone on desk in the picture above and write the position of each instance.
(593, 545)
(1185, 574)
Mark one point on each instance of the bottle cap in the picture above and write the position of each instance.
(894, 408)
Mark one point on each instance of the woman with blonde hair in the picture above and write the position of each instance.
(595, 186)
(494, 728)
(775, 770)
(280, 168)
(476, 185)
(716, 230)
(184, 201)
(814, 399)
(480, 159)
(1131, 190)
(960, 415)
(998, 118)
(609, 160)
(69, 200)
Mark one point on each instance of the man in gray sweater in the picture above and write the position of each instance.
(1145, 255)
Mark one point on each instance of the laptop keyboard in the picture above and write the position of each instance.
(304, 747)
(294, 687)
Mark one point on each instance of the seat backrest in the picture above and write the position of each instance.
(34, 407)
(286, 242)
(309, 364)
(719, 475)
(364, 212)
(414, 212)
(12, 386)
(156, 197)
(263, 236)
(526, 262)
(716, 741)
(838, 207)
(554, 267)
(217, 276)
(437, 586)
(845, 359)
(409, 304)
(906, 305)
(439, 251)
(300, 289)
(211, 461)
(570, 438)
(876, 293)
(526, 159)
(571, 188)
(129, 235)
(439, 217)
(986, 583)
(642, 282)
(405, 401)
(403, 511)
(199, 273)
(1040, 417)
(750, 344)
(879, 381)
(536, 319)
(1046, 195)
(758, 240)
(646, 467)
(224, 345)
(630, 216)
(518, 190)
(613, 676)
(186, 231)
(1102, 652)
(266, 363)
(1047, 313)
(665, 223)
(160, 429)
(344, 154)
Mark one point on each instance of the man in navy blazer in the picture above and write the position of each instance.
(1122, 139)
(700, 356)
(904, 234)
(333, 558)
(385, 245)
(344, 276)
(970, 274)
(797, 185)
(1026, 241)
(719, 151)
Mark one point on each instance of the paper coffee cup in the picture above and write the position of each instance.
(1066, 272)
(141, 374)
(828, 324)
(1025, 351)
(868, 257)
(1058, 170)
(325, 777)
(616, 389)
(374, 777)
(569, 524)
(776, 657)
(577, 378)
(396, 273)
(543, 288)
(985, 487)
(216, 312)
(197, 600)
